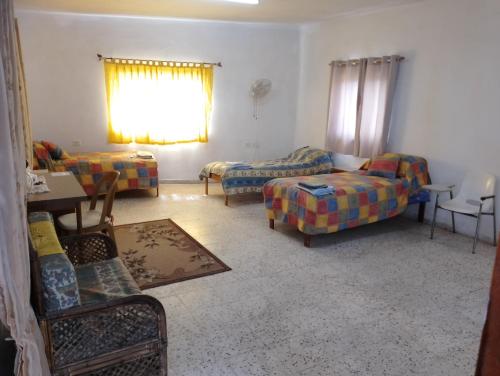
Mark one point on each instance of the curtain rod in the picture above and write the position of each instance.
(162, 62)
(378, 60)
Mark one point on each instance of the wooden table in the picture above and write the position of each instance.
(65, 193)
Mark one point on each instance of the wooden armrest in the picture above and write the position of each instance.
(87, 248)
(75, 312)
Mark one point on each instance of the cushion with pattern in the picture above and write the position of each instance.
(56, 152)
(42, 155)
(384, 166)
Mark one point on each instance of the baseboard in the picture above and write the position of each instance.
(179, 181)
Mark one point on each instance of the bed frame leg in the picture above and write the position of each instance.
(206, 185)
(271, 224)
(421, 212)
(226, 200)
(307, 240)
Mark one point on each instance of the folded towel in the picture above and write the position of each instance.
(319, 192)
(312, 185)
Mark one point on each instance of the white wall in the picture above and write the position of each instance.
(447, 106)
(67, 94)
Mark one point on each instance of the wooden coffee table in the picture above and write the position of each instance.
(65, 193)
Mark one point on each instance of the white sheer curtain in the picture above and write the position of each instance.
(361, 96)
(342, 114)
(376, 109)
(15, 309)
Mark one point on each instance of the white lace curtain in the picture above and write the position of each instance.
(15, 309)
(361, 95)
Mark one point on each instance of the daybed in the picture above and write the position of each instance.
(135, 173)
(358, 199)
(245, 177)
(93, 317)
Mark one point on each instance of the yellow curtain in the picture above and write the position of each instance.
(158, 103)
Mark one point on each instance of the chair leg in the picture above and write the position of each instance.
(453, 215)
(434, 217)
(477, 232)
(226, 200)
(111, 232)
(494, 228)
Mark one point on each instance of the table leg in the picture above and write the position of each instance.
(79, 217)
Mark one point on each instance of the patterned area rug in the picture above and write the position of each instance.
(160, 252)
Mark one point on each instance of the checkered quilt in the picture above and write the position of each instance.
(242, 177)
(358, 199)
(135, 173)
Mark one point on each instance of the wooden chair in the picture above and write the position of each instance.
(94, 220)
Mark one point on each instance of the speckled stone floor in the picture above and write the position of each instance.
(377, 300)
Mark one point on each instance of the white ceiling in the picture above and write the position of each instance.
(289, 11)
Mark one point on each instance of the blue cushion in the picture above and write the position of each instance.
(104, 281)
(59, 284)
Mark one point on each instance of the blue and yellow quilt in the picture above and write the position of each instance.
(243, 177)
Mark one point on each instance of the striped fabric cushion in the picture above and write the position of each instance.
(384, 166)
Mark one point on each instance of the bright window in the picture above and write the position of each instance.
(158, 103)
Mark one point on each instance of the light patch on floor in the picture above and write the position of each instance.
(378, 300)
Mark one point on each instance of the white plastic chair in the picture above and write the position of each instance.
(475, 199)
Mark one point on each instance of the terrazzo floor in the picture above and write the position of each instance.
(378, 300)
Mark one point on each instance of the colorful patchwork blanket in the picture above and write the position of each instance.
(135, 173)
(358, 199)
(242, 177)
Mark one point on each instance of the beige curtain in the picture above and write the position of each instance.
(361, 97)
(28, 140)
(376, 109)
(345, 86)
(15, 310)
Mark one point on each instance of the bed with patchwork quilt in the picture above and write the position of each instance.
(135, 172)
(356, 198)
(248, 177)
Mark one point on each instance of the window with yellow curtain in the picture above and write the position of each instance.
(158, 103)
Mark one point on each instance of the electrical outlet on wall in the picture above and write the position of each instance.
(76, 143)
